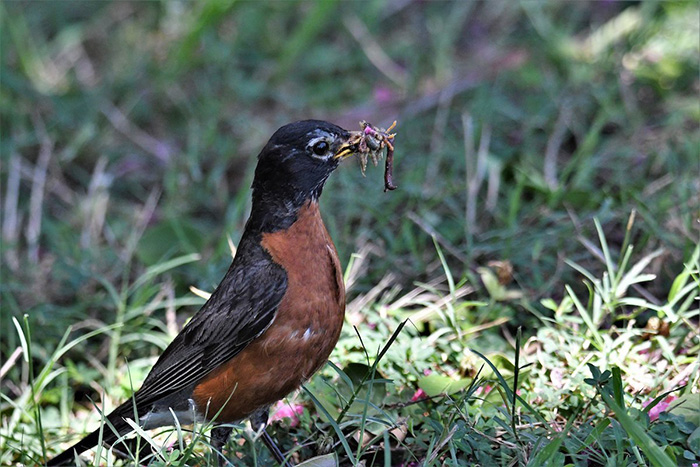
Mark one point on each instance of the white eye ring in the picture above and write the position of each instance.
(320, 147)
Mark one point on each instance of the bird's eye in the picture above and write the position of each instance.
(320, 148)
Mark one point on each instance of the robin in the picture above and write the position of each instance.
(274, 318)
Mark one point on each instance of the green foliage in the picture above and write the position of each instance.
(527, 134)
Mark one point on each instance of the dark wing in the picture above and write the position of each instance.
(239, 310)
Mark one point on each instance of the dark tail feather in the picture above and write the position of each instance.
(116, 419)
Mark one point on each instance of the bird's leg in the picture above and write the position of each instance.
(274, 449)
(258, 421)
(219, 436)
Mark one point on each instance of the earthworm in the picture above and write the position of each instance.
(389, 169)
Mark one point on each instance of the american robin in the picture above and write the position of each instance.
(274, 318)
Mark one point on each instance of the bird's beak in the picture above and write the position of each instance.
(349, 147)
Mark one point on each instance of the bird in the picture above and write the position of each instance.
(274, 318)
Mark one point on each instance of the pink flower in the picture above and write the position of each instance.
(383, 95)
(286, 410)
(483, 389)
(662, 406)
(420, 394)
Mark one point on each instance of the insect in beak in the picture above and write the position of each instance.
(370, 142)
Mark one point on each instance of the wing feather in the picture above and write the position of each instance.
(239, 310)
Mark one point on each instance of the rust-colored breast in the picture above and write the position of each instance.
(304, 331)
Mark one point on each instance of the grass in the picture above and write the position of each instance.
(528, 296)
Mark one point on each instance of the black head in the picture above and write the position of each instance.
(295, 164)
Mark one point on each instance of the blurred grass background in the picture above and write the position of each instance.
(130, 131)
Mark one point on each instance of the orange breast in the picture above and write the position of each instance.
(304, 331)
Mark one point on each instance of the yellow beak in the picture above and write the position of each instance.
(350, 146)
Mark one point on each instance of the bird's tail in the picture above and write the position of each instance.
(114, 423)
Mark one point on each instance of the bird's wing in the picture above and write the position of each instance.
(239, 310)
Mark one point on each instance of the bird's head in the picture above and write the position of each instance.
(296, 162)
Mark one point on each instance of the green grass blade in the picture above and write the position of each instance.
(158, 269)
(606, 251)
(618, 393)
(331, 420)
(638, 434)
(586, 318)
